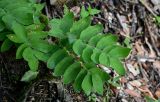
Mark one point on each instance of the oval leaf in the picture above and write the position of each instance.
(119, 52)
(71, 73)
(28, 55)
(90, 32)
(20, 31)
(6, 45)
(56, 58)
(95, 39)
(95, 55)
(97, 83)
(20, 50)
(79, 79)
(117, 66)
(104, 59)
(87, 84)
(78, 47)
(29, 75)
(62, 66)
(108, 40)
(41, 45)
(14, 38)
(86, 55)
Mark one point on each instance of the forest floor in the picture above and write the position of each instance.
(133, 21)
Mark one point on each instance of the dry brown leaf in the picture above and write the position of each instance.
(156, 64)
(123, 80)
(134, 70)
(145, 90)
(157, 93)
(75, 10)
(140, 51)
(135, 83)
(132, 93)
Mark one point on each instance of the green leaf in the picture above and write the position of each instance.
(115, 81)
(104, 76)
(20, 31)
(115, 84)
(87, 84)
(15, 5)
(20, 50)
(89, 65)
(2, 12)
(33, 64)
(35, 27)
(79, 26)
(14, 38)
(56, 58)
(84, 13)
(71, 38)
(67, 22)
(158, 20)
(35, 35)
(6, 45)
(41, 45)
(71, 73)
(33, 1)
(127, 42)
(108, 48)
(62, 66)
(78, 47)
(3, 3)
(2, 26)
(117, 66)
(95, 39)
(42, 56)
(55, 29)
(25, 18)
(86, 55)
(104, 59)
(28, 55)
(29, 75)
(39, 7)
(94, 11)
(8, 20)
(2, 36)
(79, 79)
(90, 32)
(66, 10)
(119, 52)
(107, 40)
(95, 55)
(97, 83)
(59, 28)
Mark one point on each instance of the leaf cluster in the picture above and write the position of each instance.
(79, 50)
(89, 47)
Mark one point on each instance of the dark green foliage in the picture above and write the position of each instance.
(80, 47)
(90, 46)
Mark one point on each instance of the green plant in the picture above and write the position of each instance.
(88, 11)
(149, 99)
(76, 54)
(89, 48)
(157, 19)
(21, 11)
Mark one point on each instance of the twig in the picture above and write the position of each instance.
(143, 72)
(152, 40)
(147, 7)
(134, 21)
